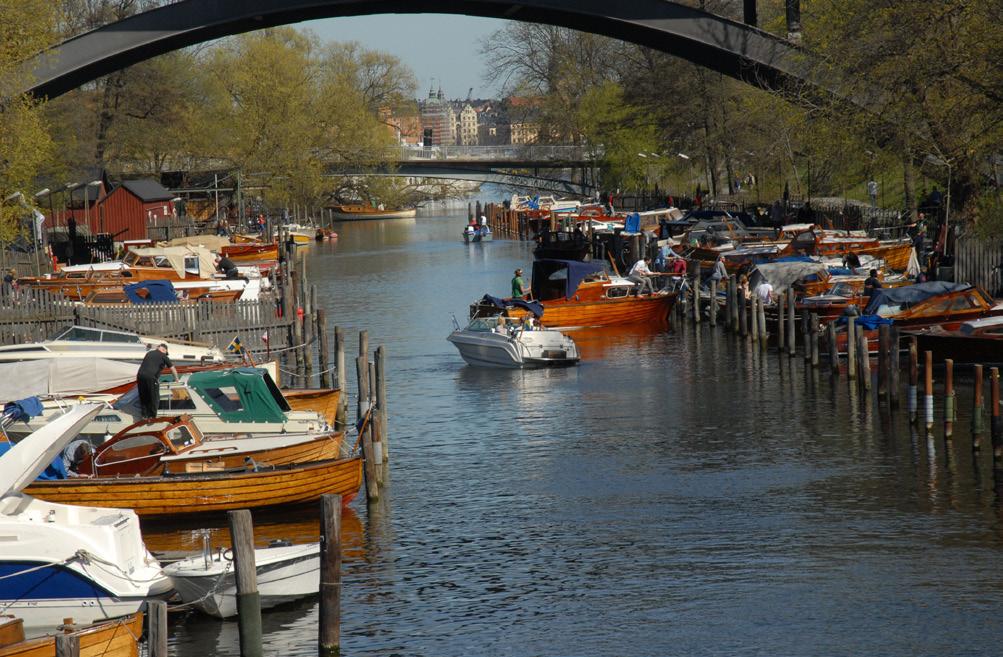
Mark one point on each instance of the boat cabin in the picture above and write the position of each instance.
(138, 449)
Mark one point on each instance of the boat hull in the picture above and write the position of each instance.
(320, 400)
(959, 348)
(342, 215)
(209, 492)
(115, 638)
(541, 349)
(567, 315)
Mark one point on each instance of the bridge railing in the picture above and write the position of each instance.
(513, 152)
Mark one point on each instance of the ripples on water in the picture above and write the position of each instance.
(676, 493)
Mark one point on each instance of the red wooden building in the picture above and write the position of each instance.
(126, 211)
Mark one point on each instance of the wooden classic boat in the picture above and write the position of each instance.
(358, 211)
(319, 400)
(978, 341)
(113, 638)
(580, 294)
(814, 241)
(210, 492)
(174, 445)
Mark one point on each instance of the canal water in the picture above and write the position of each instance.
(677, 493)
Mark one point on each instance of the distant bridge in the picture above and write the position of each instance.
(708, 40)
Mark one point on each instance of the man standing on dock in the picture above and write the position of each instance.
(148, 379)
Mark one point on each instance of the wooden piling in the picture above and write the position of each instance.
(735, 304)
(761, 320)
(865, 360)
(913, 379)
(895, 367)
(781, 335)
(375, 426)
(754, 319)
(696, 293)
(805, 334)
(948, 397)
(156, 617)
(978, 405)
(248, 600)
(372, 481)
(813, 330)
(743, 315)
(298, 353)
(851, 349)
(884, 341)
(928, 388)
(381, 399)
(791, 335)
(713, 302)
(67, 645)
(830, 333)
(330, 575)
(995, 425)
(324, 356)
(339, 364)
(364, 343)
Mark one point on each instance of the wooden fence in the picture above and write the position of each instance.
(979, 262)
(28, 315)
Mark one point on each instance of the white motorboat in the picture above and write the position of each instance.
(495, 342)
(284, 574)
(60, 561)
(232, 401)
(87, 342)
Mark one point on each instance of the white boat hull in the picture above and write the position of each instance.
(528, 349)
(284, 574)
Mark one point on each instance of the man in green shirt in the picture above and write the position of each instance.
(519, 290)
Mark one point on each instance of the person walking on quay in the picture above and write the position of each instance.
(148, 379)
(641, 274)
(519, 290)
(871, 283)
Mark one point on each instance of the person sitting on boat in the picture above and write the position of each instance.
(641, 274)
(501, 327)
(871, 283)
(148, 379)
(679, 266)
(519, 290)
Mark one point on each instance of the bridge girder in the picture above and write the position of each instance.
(711, 41)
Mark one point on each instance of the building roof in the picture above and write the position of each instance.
(148, 190)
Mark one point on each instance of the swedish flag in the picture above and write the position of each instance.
(235, 346)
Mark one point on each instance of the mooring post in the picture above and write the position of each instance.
(341, 420)
(743, 316)
(248, 600)
(364, 343)
(791, 334)
(781, 334)
(865, 360)
(713, 302)
(67, 645)
(830, 331)
(995, 426)
(948, 397)
(754, 318)
(764, 342)
(851, 349)
(381, 399)
(696, 293)
(330, 575)
(928, 387)
(978, 408)
(324, 380)
(913, 403)
(884, 340)
(805, 336)
(372, 482)
(375, 426)
(735, 307)
(813, 328)
(895, 368)
(156, 616)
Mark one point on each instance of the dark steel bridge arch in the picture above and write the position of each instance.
(711, 41)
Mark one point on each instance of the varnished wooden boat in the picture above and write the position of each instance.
(174, 445)
(114, 638)
(251, 252)
(321, 400)
(11, 630)
(209, 492)
(352, 212)
(979, 341)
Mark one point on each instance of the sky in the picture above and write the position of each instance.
(441, 49)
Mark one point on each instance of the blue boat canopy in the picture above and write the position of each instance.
(531, 306)
(908, 296)
(158, 291)
(549, 276)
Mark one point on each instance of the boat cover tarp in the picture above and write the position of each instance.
(55, 470)
(23, 410)
(63, 376)
(909, 295)
(29, 457)
(573, 272)
(241, 394)
(532, 306)
(869, 322)
(158, 291)
(797, 258)
(211, 242)
(782, 275)
(176, 255)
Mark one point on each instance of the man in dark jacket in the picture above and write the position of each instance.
(148, 379)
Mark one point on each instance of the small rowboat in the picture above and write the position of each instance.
(284, 574)
(251, 252)
(211, 492)
(114, 638)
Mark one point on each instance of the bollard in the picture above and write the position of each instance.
(830, 330)
(330, 575)
(948, 398)
(884, 340)
(754, 318)
(791, 336)
(156, 616)
(761, 319)
(978, 407)
(928, 388)
(913, 379)
(851, 349)
(248, 600)
(895, 368)
(781, 337)
(713, 302)
(865, 360)
(995, 426)
(67, 645)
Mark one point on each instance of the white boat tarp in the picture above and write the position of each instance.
(62, 376)
(211, 242)
(782, 274)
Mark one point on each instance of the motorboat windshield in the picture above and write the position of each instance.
(88, 334)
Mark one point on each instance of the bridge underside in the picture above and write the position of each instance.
(533, 181)
(711, 41)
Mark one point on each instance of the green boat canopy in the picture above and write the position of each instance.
(243, 394)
